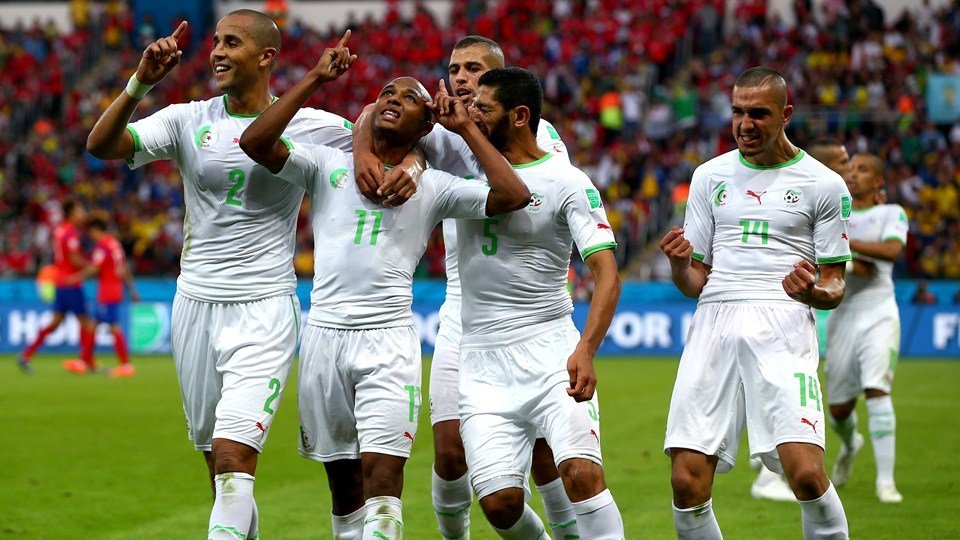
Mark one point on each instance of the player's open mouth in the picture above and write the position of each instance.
(220, 69)
(390, 113)
(748, 139)
(464, 93)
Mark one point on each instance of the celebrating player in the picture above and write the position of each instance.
(68, 260)
(360, 360)
(235, 314)
(863, 334)
(755, 215)
(472, 56)
(524, 368)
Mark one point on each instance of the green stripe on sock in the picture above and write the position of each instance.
(564, 524)
(459, 512)
(232, 530)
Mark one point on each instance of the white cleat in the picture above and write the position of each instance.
(771, 486)
(843, 467)
(887, 493)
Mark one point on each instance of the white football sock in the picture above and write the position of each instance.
(883, 435)
(451, 504)
(845, 428)
(350, 526)
(383, 519)
(824, 518)
(233, 507)
(696, 523)
(528, 527)
(599, 517)
(560, 515)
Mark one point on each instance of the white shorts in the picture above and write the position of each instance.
(862, 349)
(444, 401)
(232, 362)
(509, 391)
(359, 392)
(750, 365)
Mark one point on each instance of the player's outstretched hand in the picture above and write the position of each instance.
(583, 379)
(450, 111)
(398, 186)
(335, 61)
(676, 248)
(160, 57)
(800, 282)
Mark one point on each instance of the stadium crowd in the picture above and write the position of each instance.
(639, 90)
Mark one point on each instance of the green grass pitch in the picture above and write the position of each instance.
(93, 457)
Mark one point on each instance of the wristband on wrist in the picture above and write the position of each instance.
(137, 89)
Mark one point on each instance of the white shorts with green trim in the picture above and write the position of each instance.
(232, 362)
(863, 343)
(359, 391)
(445, 367)
(750, 365)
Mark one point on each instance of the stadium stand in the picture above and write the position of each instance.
(638, 89)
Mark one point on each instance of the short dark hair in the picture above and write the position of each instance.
(764, 76)
(820, 147)
(491, 45)
(68, 206)
(515, 87)
(97, 221)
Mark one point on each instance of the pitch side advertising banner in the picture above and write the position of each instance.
(638, 329)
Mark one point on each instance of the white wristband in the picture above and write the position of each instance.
(137, 89)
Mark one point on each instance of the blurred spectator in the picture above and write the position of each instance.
(922, 294)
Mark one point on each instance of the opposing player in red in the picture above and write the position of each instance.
(109, 262)
(68, 260)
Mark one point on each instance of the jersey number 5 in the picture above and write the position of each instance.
(491, 248)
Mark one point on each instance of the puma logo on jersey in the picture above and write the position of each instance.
(844, 236)
(408, 435)
(595, 436)
(757, 196)
(261, 428)
(603, 226)
(809, 423)
(236, 140)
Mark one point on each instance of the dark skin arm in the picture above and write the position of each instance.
(688, 274)
(888, 250)
(507, 191)
(109, 138)
(826, 292)
(583, 378)
(261, 140)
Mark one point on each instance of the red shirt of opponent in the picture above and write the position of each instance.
(66, 240)
(109, 258)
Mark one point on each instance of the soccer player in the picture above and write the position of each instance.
(110, 263)
(472, 56)
(755, 215)
(360, 359)
(524, 368)
(770, 485)
(235, 314)
(68, 260)
(864, 332)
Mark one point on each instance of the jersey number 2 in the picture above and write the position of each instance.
(237, 177)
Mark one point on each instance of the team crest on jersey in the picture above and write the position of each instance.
(338, 178)
(792, 198)
(846, 207)
(593, 197)
(536, 203)
(206, 137)
(720, 195)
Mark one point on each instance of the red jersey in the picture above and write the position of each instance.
(109, 258)
(66, 240)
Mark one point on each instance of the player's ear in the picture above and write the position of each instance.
(521, 115)
(268, 58)
(787, 114)
(427, 125)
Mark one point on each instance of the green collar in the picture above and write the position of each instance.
(235, 115)
(787, 163)
(545, 157)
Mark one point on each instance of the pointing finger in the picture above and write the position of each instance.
(179, 30)
(344, 39)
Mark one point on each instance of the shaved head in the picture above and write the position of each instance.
(260, 27)
(413, 83)
(494, 54)
(764, 77)
(832, 153)
(874, 161)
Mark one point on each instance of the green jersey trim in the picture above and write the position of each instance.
(599, 247)
(137, 143)
(287, 142)
(831, 260)
(545, 157)
(698, 256)
(897, 238)
(236, 115)
(787, 163)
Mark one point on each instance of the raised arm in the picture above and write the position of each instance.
(507, 191)
(823, 292)
(261, 140)
(688, 274)
(888, 250)
(109, 138)
(583, 379)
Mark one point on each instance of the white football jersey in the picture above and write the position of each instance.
(448, 152)
(365, 254)
(751, 224)
(514, 266)
(240, 222)
(875, 224)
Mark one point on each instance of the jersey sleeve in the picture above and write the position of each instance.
(834, 206)
(446, 151)
(548, 139)
(698, 223)
(896, 225)
(458, 197)
(309, 165)
(157, 136)
(586, 218)
(328, 129)
(99, 256)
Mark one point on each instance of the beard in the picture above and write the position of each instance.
(500, 133)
